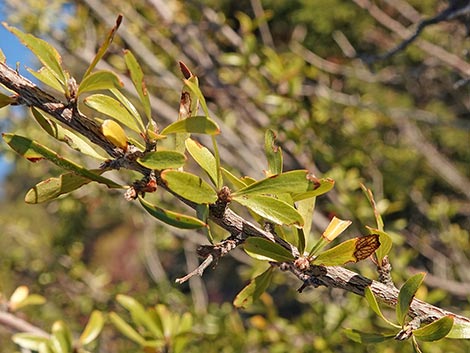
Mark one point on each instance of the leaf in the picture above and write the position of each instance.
(6, 100)
(370, 297)
(305, 208)
(189, 186)
(34, 152)
(3, 59)
(137, 77)
(266, 250)
(64, 135)
(385, 243)
(93, 328)
(460, 330)
(98, 81)
(114, 133)
(139, 315)
(204, 158)
(370, 197)
(202, 212)
(297, 182)
(254, 289)
(352, 250)
(29, 340)
(193, 85)
(436, 330)
(406, 295)
(61, 337)
(129, 106)
(104, 46)
(193, 125)
(47, 77)
(237, 182)
(174, 219)
(335, 228)
(277, 211)
(162, 160)
(364, 337)
(113, 108)
(126, 329)
(273, 153)
(45, 52)
(33, 299)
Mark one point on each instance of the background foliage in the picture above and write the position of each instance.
(402, 130)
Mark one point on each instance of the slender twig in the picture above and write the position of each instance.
(16, 324)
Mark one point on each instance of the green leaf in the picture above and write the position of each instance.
(114, 109)
(193, 85)
(297, 182)
(174, 219)
(370, 198)
(103, 47)
(460, 330)
(3, 59)
(126, 329)
(98, 81)
(254, 289)
(352, 250)
(204, 158)
(193, 125)
(370, 297)
(273, 153)
(45, 52)
(322, 186)
(137, 77)
(305, 208)
(64, 135)
(364, 337)
(34, 152)
(162, 160)
(6, 100)
(263, 249)
(93, 328)
(189, 186)
(29, 340)
(32, 299)
(139, 315)
(406, 295)
(436, 330)
(235, 181)
(385, 243)
(47, 77)
(61, 338)
(275, 210)
(202, 212)
(129, 106)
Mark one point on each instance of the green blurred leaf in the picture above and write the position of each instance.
(45, 52)
(436, 330)
(277, 211)
(174, 219)
(460, 330)
(263, 249)
(99, 80)
(254, 289)
(297, 182)
(29, 340)
(364, 337)
(137, 77)
(139, 315)
(237, 182)
(114, 109)
(6, 100)
(370, 297)
(385, 243)
(32, 299)
(93, 328)
(47, 77)
(406, 295)
(189, 186)
(204, 158)
(126, 329)
(34, 152)
(352, 250)
(64, 135)
(162, 160)
(102, 50)
(193, 125)
(61, 338)
(273, 153)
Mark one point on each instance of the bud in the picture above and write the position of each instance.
(114, 133)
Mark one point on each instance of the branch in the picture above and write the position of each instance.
(16, 324)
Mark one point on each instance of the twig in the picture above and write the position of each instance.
(198, 271)
(16, 324)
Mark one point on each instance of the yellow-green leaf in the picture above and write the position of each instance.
(406, 295)
(126, 329)
(436, 330)
(273, 153)
(61, 337)
(189, 186)
(370, 297)
(3, 59)
(174, 219)
(139, 315)
(160, 160)
(6, 100)
(254, 289)
(93, 328)
(114, 133)
(385, 243)
(365, 337)
(238, 183)
(137, 77)
(46, 76)
(460, 330)
(263, 249)
(98, 81)
(193, 125)
(204, 158)
(193, 85)
(130, 107)
(29, 341)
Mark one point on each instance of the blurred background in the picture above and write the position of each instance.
(400, 126)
